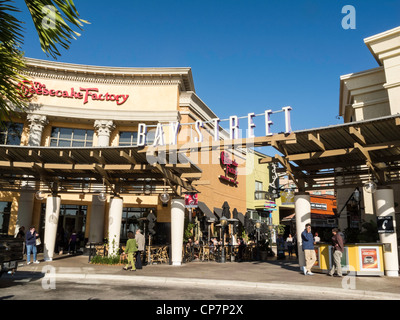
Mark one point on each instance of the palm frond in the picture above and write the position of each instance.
(53, 20)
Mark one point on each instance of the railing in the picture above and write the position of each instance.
(161, 253)
(214, 253)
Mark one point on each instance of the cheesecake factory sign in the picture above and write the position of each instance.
(28, 89)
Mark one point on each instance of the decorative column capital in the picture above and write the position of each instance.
(36, 124)
(104, 127)
(36, 121)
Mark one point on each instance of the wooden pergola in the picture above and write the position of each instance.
(344, 155)
(314, 159)
(121, 170)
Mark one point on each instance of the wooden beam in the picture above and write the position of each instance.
(319, 154)
(194, 175)
(267, 159)
(67, 156)
(187, 165)
(280, 147)
(290, 171)
(317, 140)
(107, 179)
(35, 155)
(128, 156)
(364, 151)
(356, 133)
(97, 154)
(172, 177)
(201, 182)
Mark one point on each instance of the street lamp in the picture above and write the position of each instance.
(224, 222)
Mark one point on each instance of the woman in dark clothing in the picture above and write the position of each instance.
(30, 240)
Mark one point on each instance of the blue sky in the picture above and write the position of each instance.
(246, 56)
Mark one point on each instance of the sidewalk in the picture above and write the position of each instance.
(272, 274)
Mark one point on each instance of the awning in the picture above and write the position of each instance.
(208, 213)
(218, 212)
(240, 216)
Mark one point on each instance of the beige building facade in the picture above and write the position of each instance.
(79, 106)
(369, 95)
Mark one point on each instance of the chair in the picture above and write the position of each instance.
(205, 253)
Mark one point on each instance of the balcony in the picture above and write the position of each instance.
(263, 195)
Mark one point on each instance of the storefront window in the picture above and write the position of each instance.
(10, 134)
(132, 220)
(5, 209)
(71, 218)
(127, 138)
(69, 137)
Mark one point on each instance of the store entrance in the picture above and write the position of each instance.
(72, 220)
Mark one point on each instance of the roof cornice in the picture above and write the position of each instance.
(117, 74)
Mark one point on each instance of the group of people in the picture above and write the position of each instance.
(68, 241)
(134, 250)
(308, 241)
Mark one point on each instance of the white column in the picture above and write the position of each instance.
(177, 225)
(26, 199)
(96, 230)
(114, 224)
(384, 204)
(50, 226)
(302, 209)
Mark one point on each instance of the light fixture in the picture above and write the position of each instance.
(370, 186)
(164, 197)
(102, 195)
(223, 221)
(147, 189)
(39, 195)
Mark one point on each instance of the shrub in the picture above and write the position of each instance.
(111, 260)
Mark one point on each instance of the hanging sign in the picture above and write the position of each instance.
(231, 171)
(385, 224)
(191, 200)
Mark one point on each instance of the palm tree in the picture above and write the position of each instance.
(52, 20)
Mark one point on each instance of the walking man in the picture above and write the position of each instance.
(140, 240)
(308, 248)
(337, 243)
